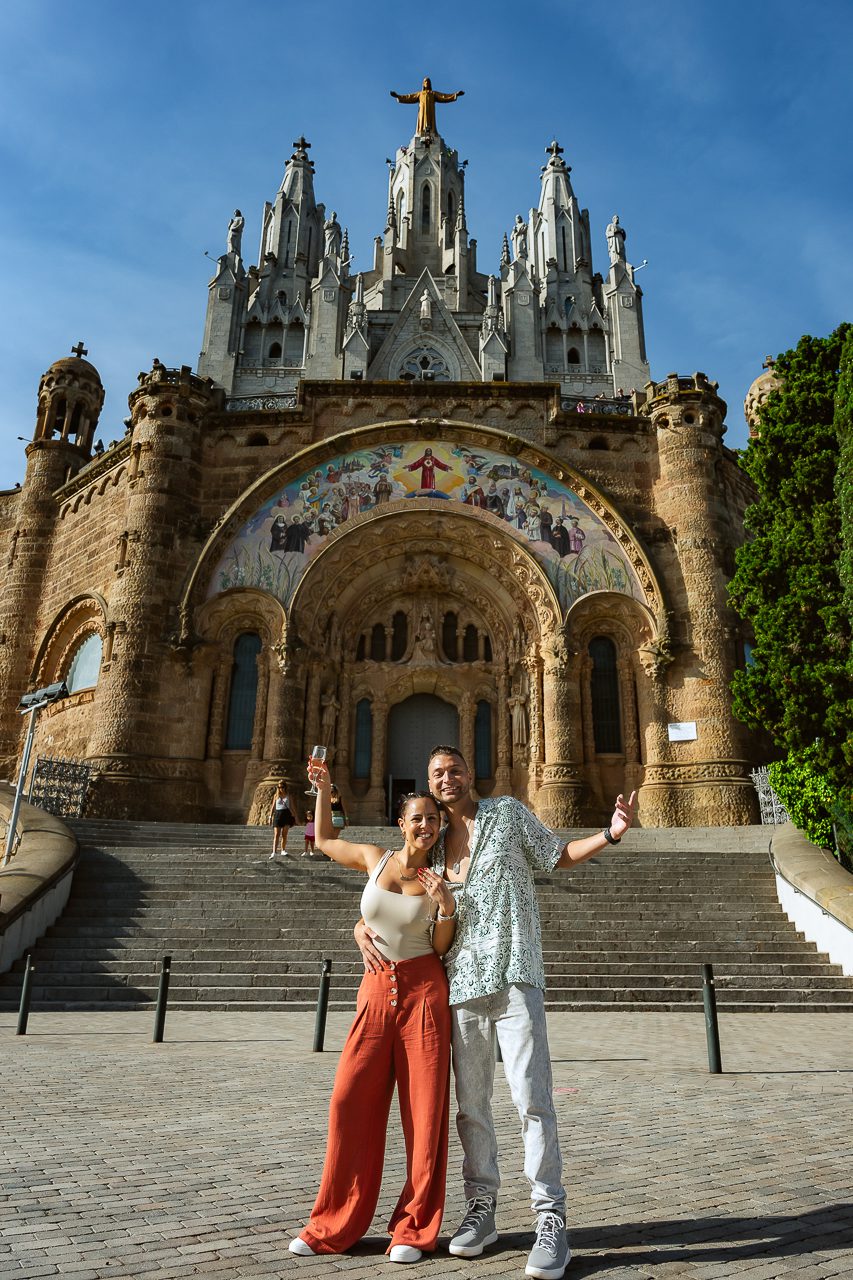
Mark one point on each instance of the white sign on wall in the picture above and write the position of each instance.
(682, 731)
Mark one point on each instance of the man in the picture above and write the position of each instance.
(497, 982)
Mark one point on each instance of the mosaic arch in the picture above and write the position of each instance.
(574, 545)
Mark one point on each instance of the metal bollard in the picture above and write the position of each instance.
(322, 1006)
(712, 1031)
(162, 999)
(24, 1008)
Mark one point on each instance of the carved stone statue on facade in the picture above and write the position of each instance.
(331, 706)
(425, 648)
(426, 98)
(332, 234)
(519, 239)
(235, 233)
(616, 240)
(518, 708)
(426, 307)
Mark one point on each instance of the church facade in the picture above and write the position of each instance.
(416, 504)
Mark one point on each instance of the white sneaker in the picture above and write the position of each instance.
(300, 1246)
(404, 1253)
(272, 855)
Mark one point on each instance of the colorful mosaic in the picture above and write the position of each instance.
(574, 546)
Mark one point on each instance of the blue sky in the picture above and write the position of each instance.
(128, 134)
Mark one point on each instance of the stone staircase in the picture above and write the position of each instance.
(628, 930)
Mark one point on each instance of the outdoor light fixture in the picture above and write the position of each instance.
(30, 704)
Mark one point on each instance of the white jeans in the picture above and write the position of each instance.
(517, 1016)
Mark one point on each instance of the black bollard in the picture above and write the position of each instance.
(162, 999)
(322, 1006)
(712, 1031)
(24, 1008)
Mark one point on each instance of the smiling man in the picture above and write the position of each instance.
(497, 983)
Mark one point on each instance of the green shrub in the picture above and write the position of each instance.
(807, 796)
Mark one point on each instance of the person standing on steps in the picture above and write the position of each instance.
(282, 819)
(497, 983)
(401, 1032)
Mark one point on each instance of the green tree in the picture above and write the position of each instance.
(787, 584)
(844, 474)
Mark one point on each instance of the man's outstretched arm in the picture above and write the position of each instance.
(577, 851)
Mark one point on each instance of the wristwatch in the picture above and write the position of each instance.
(609, 838)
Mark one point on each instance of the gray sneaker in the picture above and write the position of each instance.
(476, 1230)
(550, 1255)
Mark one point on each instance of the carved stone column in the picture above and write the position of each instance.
(375, 806)
(559, 800)
(503, 772)
(312, 709)
(260, 726)
(342, 741)
(628, 699)
(467, 743)
(283, 738)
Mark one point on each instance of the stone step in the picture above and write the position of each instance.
(627, 930)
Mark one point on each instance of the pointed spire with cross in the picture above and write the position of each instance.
(301, 148)
(556, 151)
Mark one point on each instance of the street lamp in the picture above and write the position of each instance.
(30, 704)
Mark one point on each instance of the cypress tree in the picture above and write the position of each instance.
(788, 579)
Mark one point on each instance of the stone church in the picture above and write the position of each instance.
(422, 503)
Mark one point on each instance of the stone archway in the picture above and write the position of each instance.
(419, 603)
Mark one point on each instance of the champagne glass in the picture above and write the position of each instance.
(319, 754)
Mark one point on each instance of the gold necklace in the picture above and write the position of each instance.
(405, 879)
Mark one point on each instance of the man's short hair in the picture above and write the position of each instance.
(446, 751)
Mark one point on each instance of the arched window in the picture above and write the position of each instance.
(606, 720)
(363, 739)
(274, 352)
(399, 635)
(294, 343)
(448, 637)
(359, 649)
(426, 200)
(470, 644)
(85, 665)
(487, 648)
(243, 694)
(377, 642)
(483, 740)
(574, 356)
(451, 212)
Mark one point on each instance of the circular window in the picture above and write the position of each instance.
(85, 665)
(425, 363)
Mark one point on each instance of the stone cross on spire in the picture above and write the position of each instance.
(301, 147)
(79, 350)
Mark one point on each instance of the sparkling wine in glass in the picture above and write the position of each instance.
(317, 753)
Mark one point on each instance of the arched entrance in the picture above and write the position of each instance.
(415, 726)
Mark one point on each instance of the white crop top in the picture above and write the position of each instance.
(403, 921)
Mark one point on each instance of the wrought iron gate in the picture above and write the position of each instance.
(60, 786)
(773, 812)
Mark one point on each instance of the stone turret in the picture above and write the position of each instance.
(688, 782)
(70, 399)
(758, 392)
(167, 410)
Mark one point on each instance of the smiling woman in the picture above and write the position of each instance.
(403, 1016)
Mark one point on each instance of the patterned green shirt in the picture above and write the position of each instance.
(498, 938)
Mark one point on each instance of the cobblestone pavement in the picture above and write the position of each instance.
(201, 1156)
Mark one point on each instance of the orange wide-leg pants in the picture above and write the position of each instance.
(401, 1033)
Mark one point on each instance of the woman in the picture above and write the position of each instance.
(339, 813)
(282, 819)
(402, 1029)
